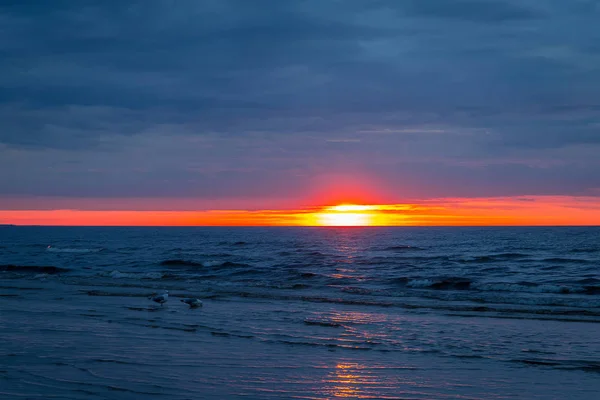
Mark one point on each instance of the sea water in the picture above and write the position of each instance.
(410, 313)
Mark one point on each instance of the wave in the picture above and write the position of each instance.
(53, 249)
(33, 269)
(585, 250)
(356, 290)
(439, 283)
(490, 258)
(336, 300)
(578, 365)
(537, 362)
(228, 267)
(586, 281)
(501, 306)
(104, 293)
(562, 260)
(230, 264)
(592, 290)
(147, 275)
(353, 345)
(314, 253)
(403, 248)
(461, 283)
(495, 269)
(114, 361)
(215, 265)
(322, 323)
(579, 306)
(178, 262)
(527, 287)
(481, 259)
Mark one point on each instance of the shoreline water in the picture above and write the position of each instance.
(64, 342)
(377, 313)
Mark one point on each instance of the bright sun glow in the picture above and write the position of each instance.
(351, 207)
(345, 215)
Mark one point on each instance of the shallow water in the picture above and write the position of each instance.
(301, 312)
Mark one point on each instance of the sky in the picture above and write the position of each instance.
(203, 106)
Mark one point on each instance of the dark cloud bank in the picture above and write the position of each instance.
(246, 99)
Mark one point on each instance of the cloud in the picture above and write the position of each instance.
(234, 99)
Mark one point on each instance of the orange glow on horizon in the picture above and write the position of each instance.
(507, 211)
(353, 207)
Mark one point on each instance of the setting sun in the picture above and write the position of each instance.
(345, 215)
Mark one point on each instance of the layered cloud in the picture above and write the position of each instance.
(232, 101)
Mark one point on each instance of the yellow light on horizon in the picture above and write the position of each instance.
(344, 219)
(345, 215)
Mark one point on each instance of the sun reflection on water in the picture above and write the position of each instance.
(346, 381)
(360, 381)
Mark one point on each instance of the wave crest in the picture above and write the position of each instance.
(33, 269)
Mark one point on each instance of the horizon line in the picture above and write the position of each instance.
(301, 226)
(496, 211)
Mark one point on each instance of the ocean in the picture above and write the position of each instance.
(305, 313)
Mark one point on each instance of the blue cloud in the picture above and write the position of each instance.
(492, 92)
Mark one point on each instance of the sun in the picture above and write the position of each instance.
(345, 215)
(345, 219)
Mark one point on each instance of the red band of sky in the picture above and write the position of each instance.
(507, 211)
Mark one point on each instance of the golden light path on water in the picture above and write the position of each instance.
(353, 380)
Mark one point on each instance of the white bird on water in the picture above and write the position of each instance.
(193, 303)
(160, 299)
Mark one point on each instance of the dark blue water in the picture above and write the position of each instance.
(521, 270)
(505, 297)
